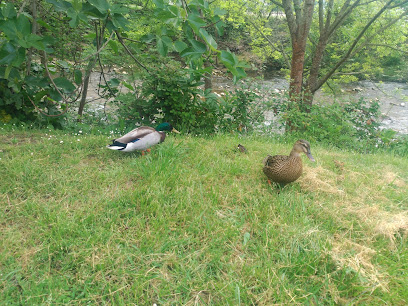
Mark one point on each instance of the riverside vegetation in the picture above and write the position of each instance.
(195, 222)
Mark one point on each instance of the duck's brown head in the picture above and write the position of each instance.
(303, 146)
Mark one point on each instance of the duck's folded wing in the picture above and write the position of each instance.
(276, 159)
(136, 134)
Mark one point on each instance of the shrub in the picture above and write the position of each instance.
(174, 95)
(353, 125)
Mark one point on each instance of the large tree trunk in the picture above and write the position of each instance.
(299, 19)
(296, 72)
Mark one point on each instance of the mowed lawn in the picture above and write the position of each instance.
(195, 222)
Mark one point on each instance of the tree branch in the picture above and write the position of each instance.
(129, 52)
(277, 3)
(290, 18)
(388, 46)
(271, 43)
(351, 48)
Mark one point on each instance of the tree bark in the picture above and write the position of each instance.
(207, 76)
(82, 102)
(299, 19)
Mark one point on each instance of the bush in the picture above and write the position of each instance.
(174, 95)
(353, 125)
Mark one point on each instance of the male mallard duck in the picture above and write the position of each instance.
(283, 169)
(142, 138)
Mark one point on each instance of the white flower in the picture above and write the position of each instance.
(61, 141)
(78, 139)
(80, 132)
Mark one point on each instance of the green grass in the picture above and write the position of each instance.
(195, 221)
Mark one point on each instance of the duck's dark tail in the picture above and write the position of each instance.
(116, 145)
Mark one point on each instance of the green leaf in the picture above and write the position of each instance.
(119, 21)
(161, 47)
(114, 46)
(23, 25)
(227, 58)
(7, 54)
(64, 84)
(118, 9)
(77, 5)
(101, 5)
(9, 11)
(114, 82)
(219, 11)
(175, 11)
(77, 76)
(180, 45)
(167, 40)
(190, 52)
(148, 38)
(219, 25)
(9, 28)
(128, 86)
(7, 72)
(159, 3)
(198, 46)
(71, 13)
(195, 22)
(35, 41)
(208, 39)
(60, 6)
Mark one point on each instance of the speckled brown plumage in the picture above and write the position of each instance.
(283, 169)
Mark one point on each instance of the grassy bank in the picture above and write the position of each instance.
(196, 222)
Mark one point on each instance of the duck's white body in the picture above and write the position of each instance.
(138, 139)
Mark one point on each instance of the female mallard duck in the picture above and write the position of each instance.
(286, 169)
(142, 138)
